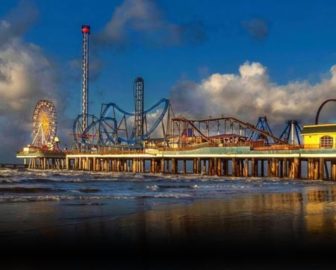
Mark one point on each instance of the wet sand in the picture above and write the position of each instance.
(289, 230)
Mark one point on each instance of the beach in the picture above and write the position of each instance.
(99, 221)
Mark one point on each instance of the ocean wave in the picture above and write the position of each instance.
(92, 199)
(8, 199)
(172, 195)
(178, 186)
(152, 187)
(89, 190)
(42, 198)
(38, 180)
(29, 190)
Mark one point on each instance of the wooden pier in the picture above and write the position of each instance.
(239, 162)
(43, 160)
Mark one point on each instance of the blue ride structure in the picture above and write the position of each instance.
(116, 126)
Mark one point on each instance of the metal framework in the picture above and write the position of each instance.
(44, 124)
(139, 86)
(219, 131)
(262, 124)
(115, 126)
(87, 136)
(292, 133)
(85, 74)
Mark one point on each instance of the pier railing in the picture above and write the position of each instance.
(315, 146)
(106, 151)
(251, 146)
(278, 147)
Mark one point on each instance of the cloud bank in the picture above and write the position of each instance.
(252, 93)
(26, 75)
(142, 20)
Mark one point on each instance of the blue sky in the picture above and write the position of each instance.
(300, 41)
(173, 44)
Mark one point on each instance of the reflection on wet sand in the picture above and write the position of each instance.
(285, 219)
(273, 225)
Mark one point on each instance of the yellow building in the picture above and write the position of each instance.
(319, 136)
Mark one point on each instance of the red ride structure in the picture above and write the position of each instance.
(85, 74)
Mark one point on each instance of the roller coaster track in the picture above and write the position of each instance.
(231, 120)
(108, 127)
(107, 107)
(320, 108)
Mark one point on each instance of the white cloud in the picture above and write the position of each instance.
(144, 20)
(251, 93)
(26, 75)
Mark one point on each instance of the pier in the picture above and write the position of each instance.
(242, 162)
(42, 159)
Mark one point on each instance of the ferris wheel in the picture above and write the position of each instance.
(44, 124)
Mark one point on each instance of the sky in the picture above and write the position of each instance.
(235, 58)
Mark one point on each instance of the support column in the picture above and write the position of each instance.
(67, 165)
(280, 166)
(269, 168)
(253, 167)
(296, 170)
(276, 171)
(309, 169)
(333, 170)
(290, 168)
(219, 167)
(321, 169)
(240, 167)
(316, 169)
(246, 168)
(133, 165)
(162, 170)
(198, 166)
(210, 166)
(234, 167)
(284, 168)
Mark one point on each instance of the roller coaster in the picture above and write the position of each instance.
(224, 131)
(115, 126)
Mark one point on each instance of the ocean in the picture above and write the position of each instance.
(84, 220)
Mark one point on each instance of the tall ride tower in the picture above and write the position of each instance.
(85, 74)
(139, 86)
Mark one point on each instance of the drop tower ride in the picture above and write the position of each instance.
(85, 74)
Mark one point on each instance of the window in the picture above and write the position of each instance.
(326, 142)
